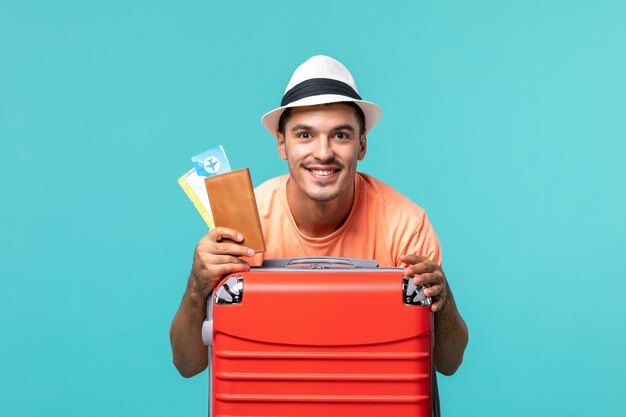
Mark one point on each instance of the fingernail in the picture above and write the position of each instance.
(239, 237)
(250, 252)
(427, 293)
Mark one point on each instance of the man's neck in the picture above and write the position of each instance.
(318, 219)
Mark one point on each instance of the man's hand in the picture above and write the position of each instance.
(451, 334)
(428, 274)
(217, 254)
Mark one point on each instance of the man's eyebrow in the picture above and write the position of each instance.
(301, 127)
(344, 127)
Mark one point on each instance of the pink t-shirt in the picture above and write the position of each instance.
(382, 225)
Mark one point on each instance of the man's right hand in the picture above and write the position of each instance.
(217, 254)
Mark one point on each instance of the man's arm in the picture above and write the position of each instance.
(216, 255)
(451, 334)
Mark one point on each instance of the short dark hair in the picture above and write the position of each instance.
(359, 116)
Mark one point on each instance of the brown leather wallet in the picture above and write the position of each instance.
(234, 206)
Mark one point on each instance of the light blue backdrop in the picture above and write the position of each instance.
(505, 120)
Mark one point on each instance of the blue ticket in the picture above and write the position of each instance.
(211, 162)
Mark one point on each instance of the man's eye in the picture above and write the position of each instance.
(341, 135)
(304, 135)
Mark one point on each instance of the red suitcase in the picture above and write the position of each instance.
(320, 337)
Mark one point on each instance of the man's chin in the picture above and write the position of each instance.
(322, 197)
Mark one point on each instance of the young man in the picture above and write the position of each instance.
(323, 208)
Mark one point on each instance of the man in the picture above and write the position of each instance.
(323, 208)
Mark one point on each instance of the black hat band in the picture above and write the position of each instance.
(316, 87)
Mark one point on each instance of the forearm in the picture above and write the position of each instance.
(217, 254)
(188, 351)
(451, 337)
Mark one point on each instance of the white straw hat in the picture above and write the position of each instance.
(321, 79)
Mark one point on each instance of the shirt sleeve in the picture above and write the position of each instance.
(424, 242)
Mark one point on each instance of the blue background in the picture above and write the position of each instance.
(504, 120)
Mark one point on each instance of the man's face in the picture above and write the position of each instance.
(322, 145)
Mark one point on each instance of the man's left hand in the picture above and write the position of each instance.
(429, 275)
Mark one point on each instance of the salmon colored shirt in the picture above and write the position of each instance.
(382, 225)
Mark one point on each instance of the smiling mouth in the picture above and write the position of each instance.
(323, 172)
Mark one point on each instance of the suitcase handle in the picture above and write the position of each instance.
(207, 332)
(319, 262)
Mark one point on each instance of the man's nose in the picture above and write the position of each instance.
(323, 150)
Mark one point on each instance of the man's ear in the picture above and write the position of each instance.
(280, 142)
(363, 143)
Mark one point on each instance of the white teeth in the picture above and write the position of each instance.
(322, 173)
